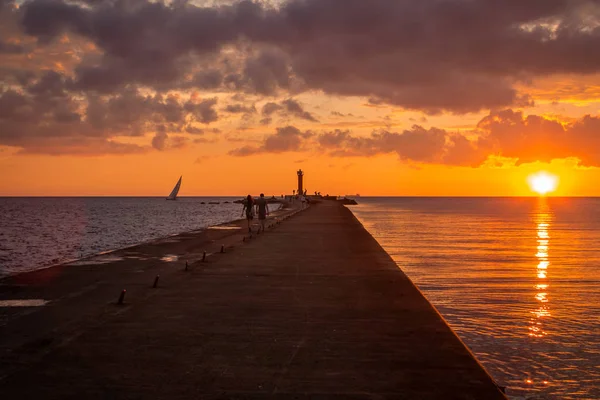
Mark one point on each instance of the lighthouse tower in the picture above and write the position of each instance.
(300, 185)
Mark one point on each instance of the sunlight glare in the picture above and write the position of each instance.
(543, 182)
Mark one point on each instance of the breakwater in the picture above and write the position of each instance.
(313, 307)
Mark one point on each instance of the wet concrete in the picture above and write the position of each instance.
(313, 308)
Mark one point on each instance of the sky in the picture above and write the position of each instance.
(378, 97)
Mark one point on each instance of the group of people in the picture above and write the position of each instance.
(262, 209)
(302, 197)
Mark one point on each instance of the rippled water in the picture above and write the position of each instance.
(37, 232)
(516, 278)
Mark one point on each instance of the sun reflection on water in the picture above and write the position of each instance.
(517, 279)
(543, 218)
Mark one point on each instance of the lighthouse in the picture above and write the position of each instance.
(300, 185)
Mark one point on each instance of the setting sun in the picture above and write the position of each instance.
(543, 182)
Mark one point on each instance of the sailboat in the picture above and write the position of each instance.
(173, 195)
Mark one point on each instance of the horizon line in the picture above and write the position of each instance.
(360, 196)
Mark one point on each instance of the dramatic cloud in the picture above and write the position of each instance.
(266, 72)
(45, 114)
(417, 144)
(507, 134)
(287, 108)
(295, 109)
(82, 69)
(130, 111)
(451, 55)
(161, 141)
(285, 139)
(534, 138)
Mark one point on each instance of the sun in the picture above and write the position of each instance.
(543, 182)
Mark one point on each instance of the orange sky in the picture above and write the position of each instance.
(208, 169)
(241, 117)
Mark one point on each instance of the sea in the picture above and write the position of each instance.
(518, 279)
(38, 232)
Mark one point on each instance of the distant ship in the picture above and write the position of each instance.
(173, 195)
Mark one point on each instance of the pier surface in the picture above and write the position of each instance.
(314, 308)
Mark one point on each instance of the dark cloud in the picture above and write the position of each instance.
(16, 77)
(271, 108)
(294, 108)
(139, 114)
(203, 111)
(45, 114)
(108, 66)
(194, 130)
(451, 55)
(286, 139)
(240, 109)
(210, 79)
(50, 85)
(286, 108)
(159, 141)
(48, 19)
(10, 48)
(416, 144)
(267, 72)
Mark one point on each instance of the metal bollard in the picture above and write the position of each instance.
(122, 297)
(204, 257)
(156, 281)
(222, 248)
(186, 265)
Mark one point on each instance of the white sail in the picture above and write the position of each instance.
(173, 195)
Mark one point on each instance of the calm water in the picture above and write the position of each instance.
(38, 232)
(516, 278)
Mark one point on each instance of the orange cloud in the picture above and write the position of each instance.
(505, 135)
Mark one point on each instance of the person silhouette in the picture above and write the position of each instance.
(263, 211)
(249, 209)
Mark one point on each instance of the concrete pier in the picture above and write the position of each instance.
(314, 308)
